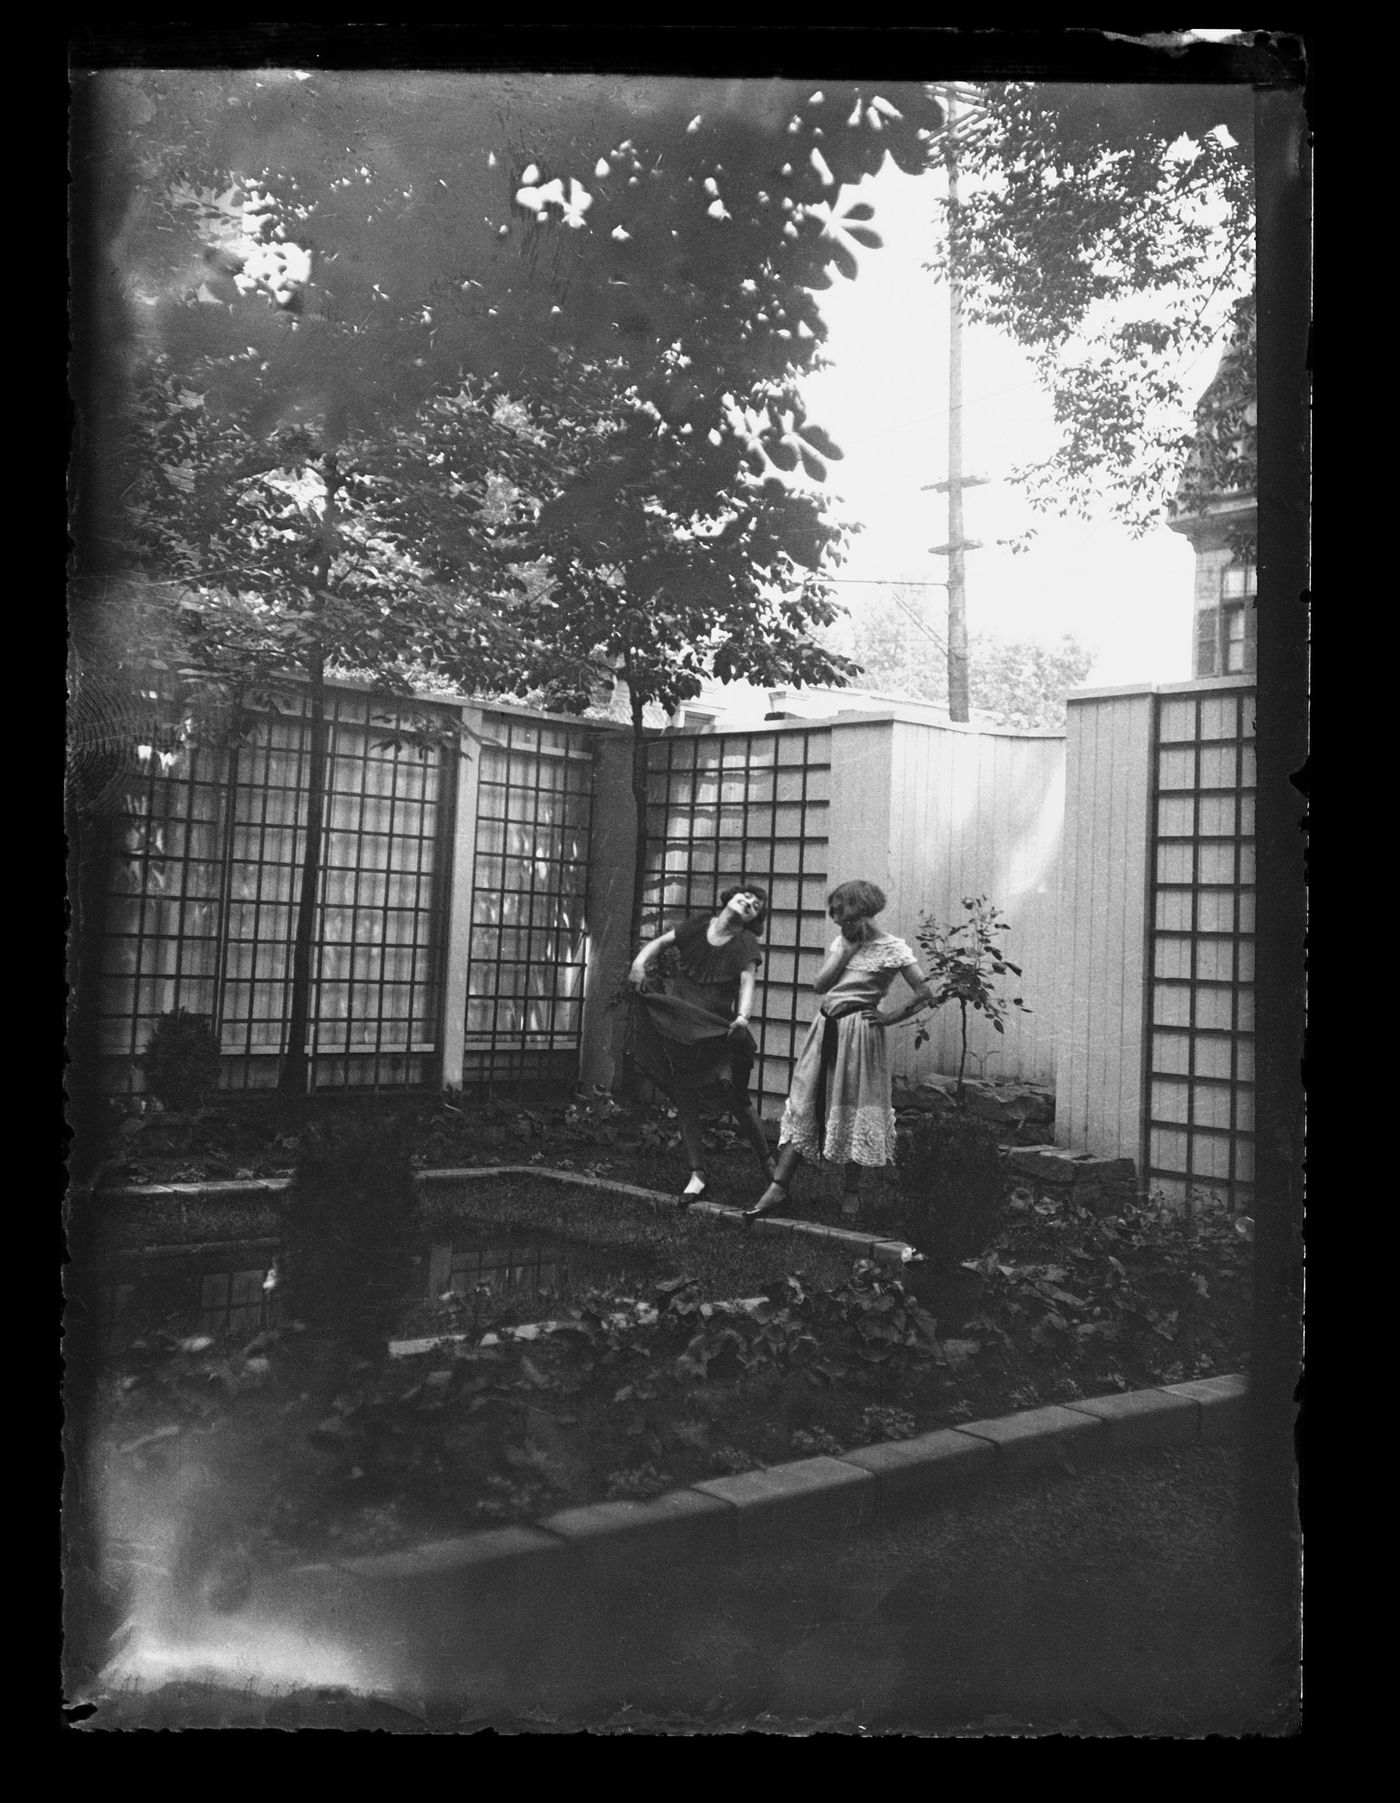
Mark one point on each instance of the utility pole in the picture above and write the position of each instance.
(957, 546)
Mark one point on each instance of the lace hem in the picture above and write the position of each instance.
(863, 1136)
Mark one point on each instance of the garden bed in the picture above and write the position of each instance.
(615, 1404)
(630, 1145)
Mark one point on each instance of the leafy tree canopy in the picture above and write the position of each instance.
(1110, 232)
(672, 568)
(318, 262)
(331, 247)
(383, 350)
(1012, 682)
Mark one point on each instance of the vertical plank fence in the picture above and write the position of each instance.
(1156, 1017)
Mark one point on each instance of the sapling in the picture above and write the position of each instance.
(963, 964)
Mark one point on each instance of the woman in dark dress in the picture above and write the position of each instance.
(692, 1032)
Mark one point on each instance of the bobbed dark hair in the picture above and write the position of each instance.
(749, 889)
(858, 898)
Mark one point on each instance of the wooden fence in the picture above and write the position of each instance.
(931, 813)
(451, 934)
(1156, 1001)
(473, 915)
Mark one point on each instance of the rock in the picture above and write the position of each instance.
(920, 1098)
(939, 1085)
(1008, 1104)
(1058, 1168)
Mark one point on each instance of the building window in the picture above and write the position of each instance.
(1239, 584)
(1225, 635)
(1232, 640)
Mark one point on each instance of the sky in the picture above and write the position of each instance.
(884, 401)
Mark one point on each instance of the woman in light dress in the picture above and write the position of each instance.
(839, 1107)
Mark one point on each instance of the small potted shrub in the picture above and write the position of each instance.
(348, 1217)
(181, 1066)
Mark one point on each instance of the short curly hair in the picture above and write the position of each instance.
(760, 895)
(857, 899)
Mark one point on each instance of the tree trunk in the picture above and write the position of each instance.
(293, 1080)
(627, 1073)
(639, 800)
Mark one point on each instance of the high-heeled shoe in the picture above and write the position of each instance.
(767, 1202)
(688, 1195)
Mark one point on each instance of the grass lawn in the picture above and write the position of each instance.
(726, 1259)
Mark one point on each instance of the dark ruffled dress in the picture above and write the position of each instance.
(682, 1038)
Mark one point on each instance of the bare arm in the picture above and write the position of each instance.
(923, 997)
(637, 975)
(836, 962)
(748, 984)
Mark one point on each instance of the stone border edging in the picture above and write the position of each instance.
(865, 1245)
(742, 1513)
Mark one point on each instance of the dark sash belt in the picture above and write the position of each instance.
(832, 1013)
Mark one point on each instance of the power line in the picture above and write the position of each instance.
(927, 631)
(887, 581)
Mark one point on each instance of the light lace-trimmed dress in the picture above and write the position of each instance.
(839, 1107)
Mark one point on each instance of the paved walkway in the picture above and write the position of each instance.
(1125, 1600)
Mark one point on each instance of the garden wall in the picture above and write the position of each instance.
(1156, 1002)
(472, 927)
(452, 938)
(929, 812)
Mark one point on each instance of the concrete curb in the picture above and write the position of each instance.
(768, 1506)
(862, 1245)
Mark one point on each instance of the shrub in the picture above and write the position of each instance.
(181, 1061)
(635, 1484)
(814, 1440)
(953, 1175)
(1151, 1294)
(881, 1423)
(963, 963)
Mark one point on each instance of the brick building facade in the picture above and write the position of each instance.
(1216, 507)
